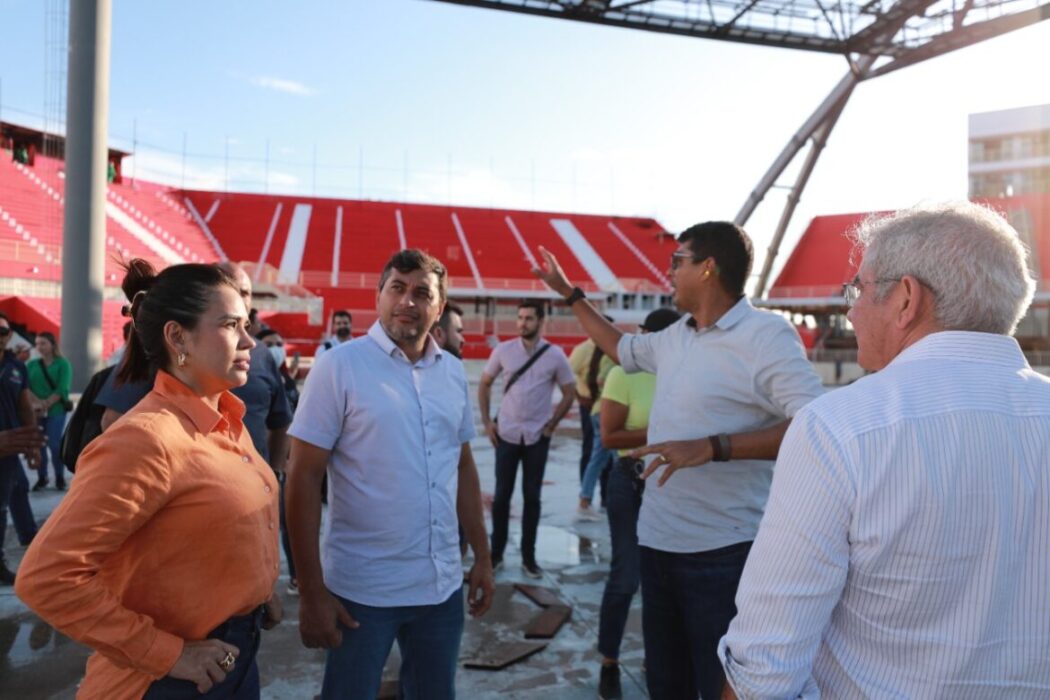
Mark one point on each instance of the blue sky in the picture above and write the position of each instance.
(431, 102)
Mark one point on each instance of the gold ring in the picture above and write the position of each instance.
(227, 663)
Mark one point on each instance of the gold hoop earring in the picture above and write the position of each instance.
(182, 359)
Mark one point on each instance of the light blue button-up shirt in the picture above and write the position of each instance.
(395, 430)
(905, 551)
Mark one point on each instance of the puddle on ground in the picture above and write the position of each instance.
(557, 546)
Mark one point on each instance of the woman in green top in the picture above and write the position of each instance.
(625, 404)
(50, 376)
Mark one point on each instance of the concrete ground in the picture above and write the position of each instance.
(36, 662)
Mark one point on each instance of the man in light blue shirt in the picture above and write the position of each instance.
(904, 550)
(728, 379)
(388, 416)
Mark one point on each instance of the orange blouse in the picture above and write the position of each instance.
(170, 528)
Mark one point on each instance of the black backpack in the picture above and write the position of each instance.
(86, 422)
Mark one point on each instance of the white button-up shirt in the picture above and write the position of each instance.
(746, 372)
(395, 430)
(905, 551)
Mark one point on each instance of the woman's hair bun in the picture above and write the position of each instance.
(139, 277)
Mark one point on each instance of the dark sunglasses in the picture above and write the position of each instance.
(5, 330)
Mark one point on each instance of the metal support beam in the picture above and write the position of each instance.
(966, 36)
(84, 232)
(820, 139)
(838, 95)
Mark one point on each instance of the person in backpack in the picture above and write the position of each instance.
(342, 325)
(163, 555)
(50, 376)
(85, 422)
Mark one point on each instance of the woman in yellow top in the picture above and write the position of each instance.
(163, 556)
(625, 403)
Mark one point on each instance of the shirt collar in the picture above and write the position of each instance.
(970, 346)
(730, 318)
(431, 353)
(204, 417)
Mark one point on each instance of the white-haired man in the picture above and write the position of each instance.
(903, 552)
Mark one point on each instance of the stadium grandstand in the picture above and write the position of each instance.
(310, 256)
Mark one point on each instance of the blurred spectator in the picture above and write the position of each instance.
(19, 425)
(50, 376)
(342, 325)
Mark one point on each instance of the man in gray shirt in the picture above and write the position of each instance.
(728, 379)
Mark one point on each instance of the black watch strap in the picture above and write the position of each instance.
(575, 296)
(720, 447)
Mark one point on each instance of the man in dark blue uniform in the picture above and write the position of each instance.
(19, 427)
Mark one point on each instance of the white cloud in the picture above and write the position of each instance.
(290, 87)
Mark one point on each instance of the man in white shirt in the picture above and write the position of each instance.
(388, 416)
(728, 379)
(342, 326)
(904, 549)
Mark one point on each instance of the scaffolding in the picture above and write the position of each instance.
(875, 38)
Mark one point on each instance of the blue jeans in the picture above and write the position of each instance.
(600, 457)
(240, 684)
(427, 635)
(533, 460)
(52, 427)
(588, 437)
(624, 500)
(687, 604)
(14, 496)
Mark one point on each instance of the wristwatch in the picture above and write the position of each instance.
(575, 296)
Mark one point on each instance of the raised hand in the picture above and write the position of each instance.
(551, 273)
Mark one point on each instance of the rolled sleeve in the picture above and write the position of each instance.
(785, 381)
(494, 365)
(59, 576)
(637, 352)
(796, 571)
(322, 405)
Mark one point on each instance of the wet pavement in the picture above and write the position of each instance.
(37, 662)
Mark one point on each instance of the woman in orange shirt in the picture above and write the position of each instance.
(163, 556)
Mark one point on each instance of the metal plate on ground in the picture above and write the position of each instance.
(547, 623)
(499, 656)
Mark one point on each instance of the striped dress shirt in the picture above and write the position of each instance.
(905, 548)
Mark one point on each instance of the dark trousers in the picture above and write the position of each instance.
(588, 437)
(52, 427)
(687, 604)
(624, 500)
(533, 459)
(14, 496)
(242, 683)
